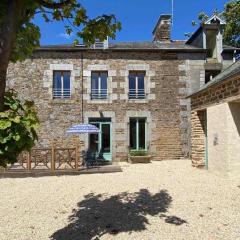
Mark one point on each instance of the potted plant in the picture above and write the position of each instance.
(139, 156)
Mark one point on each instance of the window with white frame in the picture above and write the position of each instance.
(99, 85)
(61, 84)
(137, 133)
(136, 85)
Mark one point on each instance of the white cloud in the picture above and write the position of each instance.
(66, 36)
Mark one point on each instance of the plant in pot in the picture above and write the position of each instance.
(139, 156)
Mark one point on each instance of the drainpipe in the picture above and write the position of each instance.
(206, 143)
(82, 85)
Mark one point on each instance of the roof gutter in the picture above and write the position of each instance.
(200, 50)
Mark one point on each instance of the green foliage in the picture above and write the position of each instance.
(138, 153)
(231, 15)
(70, 12)
(202, 16)
(232, 29)
(18, 124)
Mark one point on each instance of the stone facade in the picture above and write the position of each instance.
(172, 71)
(198, 136)
(165, 107)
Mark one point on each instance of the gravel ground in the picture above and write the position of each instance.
(162, 200)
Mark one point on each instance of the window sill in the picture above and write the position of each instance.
(62, 101)
(99, 101)
(138, 100)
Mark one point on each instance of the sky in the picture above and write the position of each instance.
(138, 18)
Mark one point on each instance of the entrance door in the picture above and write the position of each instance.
(101, 142)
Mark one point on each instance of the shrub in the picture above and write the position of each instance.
(18, 124)
(138, 153)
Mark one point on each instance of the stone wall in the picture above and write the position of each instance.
(224, 91)
(165, 107)
(198, 136)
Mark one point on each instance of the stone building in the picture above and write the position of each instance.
(135, 92)
(216, 123)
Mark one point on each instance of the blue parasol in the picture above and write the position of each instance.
(83, 128)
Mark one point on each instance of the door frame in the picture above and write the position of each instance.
(100, 134)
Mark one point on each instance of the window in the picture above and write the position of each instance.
(211, 42)
(99, 85)
(210, 74)
(61, 84)
(137, 133)
(136, 85)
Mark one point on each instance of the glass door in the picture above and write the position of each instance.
(101, 143)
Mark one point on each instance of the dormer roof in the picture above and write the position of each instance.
(215, 18)
(212, 20)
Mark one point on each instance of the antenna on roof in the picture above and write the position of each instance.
(172, 12)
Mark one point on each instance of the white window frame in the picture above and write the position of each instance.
(137, 133)
(99, 90)
(61, 96)
(136, 84)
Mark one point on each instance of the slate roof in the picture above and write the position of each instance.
(127, 46)
(177, 45)
(224, 75)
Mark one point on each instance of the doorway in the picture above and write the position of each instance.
(101, 143)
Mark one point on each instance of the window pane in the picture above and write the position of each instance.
(104, 77)
(133, 140)
(57, 85)
(141, 81)
(57, 80)
(66, 80)
(94, 140)
(94, 82)
(141, 133)
(132, 82)
(105, 138)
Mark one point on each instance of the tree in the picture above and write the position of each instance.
(18, 124)
(232, 30)
(19, 36)
(231, 14)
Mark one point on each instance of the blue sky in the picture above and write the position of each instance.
(138, 18)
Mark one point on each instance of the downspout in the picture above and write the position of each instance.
(82, 85)
(206, 142)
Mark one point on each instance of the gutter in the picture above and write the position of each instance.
(200, 50)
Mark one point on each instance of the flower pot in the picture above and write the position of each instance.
(139, 159)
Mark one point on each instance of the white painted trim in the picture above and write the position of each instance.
(214, 17)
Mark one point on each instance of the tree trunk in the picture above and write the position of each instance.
(8, 34)
(3, 75)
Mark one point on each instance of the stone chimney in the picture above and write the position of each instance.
(162, 31)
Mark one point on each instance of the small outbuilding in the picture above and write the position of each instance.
(215, 124)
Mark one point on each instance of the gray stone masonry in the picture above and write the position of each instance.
(168, 81)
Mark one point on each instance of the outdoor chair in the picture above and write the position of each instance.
(90, 159)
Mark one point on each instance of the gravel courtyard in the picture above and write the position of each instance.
(162, 200)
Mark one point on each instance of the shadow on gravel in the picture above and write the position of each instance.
(126, 212)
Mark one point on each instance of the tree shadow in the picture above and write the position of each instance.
(125, 212)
